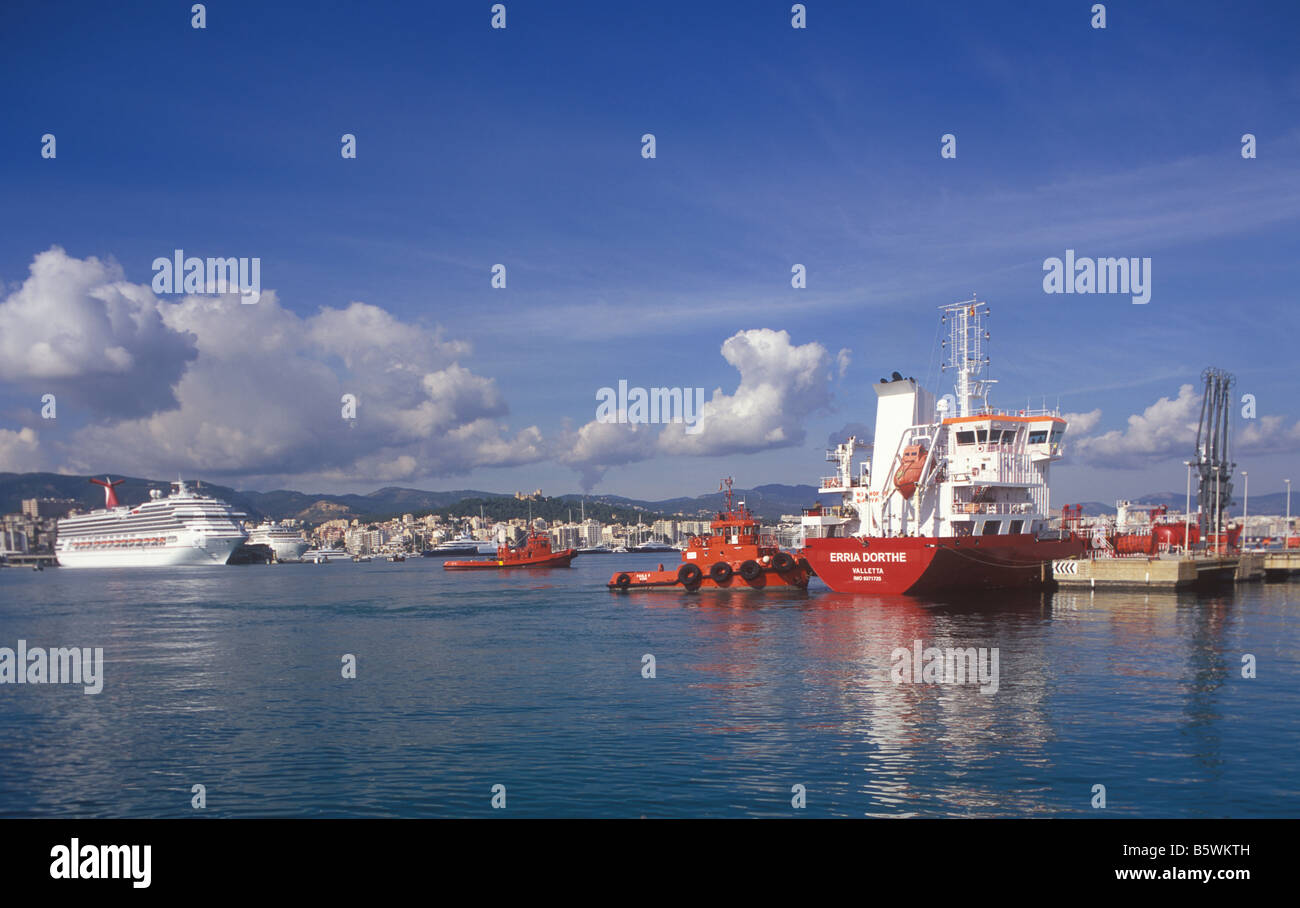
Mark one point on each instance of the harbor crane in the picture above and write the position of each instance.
(1213, 454)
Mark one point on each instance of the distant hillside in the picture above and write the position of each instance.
(552, 510)
(14, 487)
(276, 505)
(386, 502)
(767, 501)
(1271, 503)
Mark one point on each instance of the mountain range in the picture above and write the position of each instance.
(767, 501)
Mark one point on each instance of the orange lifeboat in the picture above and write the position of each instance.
(909, 471)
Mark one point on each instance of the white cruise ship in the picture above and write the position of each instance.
(182, 527)
(287, 543)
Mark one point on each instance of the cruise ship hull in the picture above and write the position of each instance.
(211, 551)
(920, 565)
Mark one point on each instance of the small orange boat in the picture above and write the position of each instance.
(735, 555)
(534, 553)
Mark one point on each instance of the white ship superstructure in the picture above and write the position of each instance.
(946, 467)
(955, 493)
(183, 527)
(287, 543)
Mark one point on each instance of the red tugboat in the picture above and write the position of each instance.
(534, 553)
(734, 556)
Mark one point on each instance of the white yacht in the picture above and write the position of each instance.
(465, 544)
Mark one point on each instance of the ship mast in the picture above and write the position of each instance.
(967, 338)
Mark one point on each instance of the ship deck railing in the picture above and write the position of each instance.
(836, 482)
(828, 510)
(994, 507)
(1032, 412)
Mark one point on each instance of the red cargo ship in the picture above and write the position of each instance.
(534, 553)
(959, 496)
(735, 555)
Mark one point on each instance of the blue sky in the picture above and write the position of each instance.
(522, 146)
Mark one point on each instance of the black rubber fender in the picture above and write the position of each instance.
(782, 561)
(751, 570)
(720, 572)
(688, 575)
(623, 581)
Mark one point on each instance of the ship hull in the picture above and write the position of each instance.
(929, 565)
(212, 551)
(553, 560)
(285, 549)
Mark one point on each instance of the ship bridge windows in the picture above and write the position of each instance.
(991, 528)
(1058, 432)
(1038, 437)
(993, 436)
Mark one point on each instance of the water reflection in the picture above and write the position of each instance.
(230, 677)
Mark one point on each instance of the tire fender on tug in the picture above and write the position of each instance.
(720, 572)
(782, 561)
(689, 574)
(751, 570)
(623, 581)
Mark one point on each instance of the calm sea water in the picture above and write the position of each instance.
(231, 678)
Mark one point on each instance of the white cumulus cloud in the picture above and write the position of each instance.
(1167, 429)
(78, 329)
(208, 385)
(781, 384)
(19, 451)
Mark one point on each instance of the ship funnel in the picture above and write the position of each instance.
(110, 496)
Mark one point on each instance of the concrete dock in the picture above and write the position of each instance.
(1281, 565)
(1155, 573)
(39, 560)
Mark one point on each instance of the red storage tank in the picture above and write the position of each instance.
(1134, 544)
(1171, 534)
